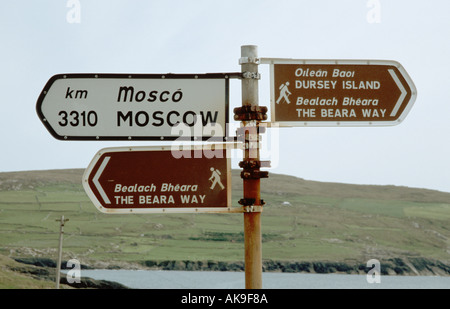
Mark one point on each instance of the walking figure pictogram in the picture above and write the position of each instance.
(284, 93)
(215, 178)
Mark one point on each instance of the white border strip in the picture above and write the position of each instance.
(97, 183)
(402, 95)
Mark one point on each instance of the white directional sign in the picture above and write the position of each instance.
(135, 106)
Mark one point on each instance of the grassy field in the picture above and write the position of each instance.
(302, 221)
(12, 279)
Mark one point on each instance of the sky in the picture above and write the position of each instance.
(48, 37)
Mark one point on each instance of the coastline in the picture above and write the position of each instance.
(393, 266)
(43, 269)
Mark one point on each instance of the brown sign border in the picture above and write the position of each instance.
(273, 61)
(212, 209)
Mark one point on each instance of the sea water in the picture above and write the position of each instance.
(156, 279)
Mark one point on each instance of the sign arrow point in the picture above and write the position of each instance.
(97, 183)
(402, 90)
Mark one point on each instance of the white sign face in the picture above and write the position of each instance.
(135, 107)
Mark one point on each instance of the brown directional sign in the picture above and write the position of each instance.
(160, 179)
(339, 92)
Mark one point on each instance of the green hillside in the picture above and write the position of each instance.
(302, 221)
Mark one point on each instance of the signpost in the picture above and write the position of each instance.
(160, 179)
(135, 106)
(250, 114)
(197, 179)
(339, 92)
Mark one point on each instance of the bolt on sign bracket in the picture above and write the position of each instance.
(249, 202)
(246, 113)
(253, 164)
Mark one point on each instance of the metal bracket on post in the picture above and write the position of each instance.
(254, 174)
(250, 202)
(251, 75)
(252, 164)
(247, 113)
(252, 208)
(252, 60)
